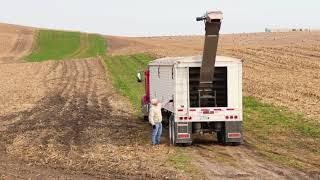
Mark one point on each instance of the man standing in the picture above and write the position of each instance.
(155, 119)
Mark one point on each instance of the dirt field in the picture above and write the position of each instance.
(78, 125)
(15, 42)
(280, 68)
(63, 119)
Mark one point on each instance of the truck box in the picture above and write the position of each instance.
(175, 83)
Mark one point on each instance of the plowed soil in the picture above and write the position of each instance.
(279, 68)
(62, 119)
(77, 124)
(15, 42)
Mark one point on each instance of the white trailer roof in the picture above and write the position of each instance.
(190, 59)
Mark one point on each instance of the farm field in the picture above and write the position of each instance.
(73, 114)
(279, 68)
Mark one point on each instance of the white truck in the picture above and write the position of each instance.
(198, 95)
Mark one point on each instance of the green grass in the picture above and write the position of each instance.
(285, 137)
(268, 117)
(59, 45)
(123, 70)
(92, 45)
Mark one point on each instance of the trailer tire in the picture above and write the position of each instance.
(235, 143)
(221, 137)
(172, 131)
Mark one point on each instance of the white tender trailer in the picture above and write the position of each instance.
(175, 81)
(198, 94)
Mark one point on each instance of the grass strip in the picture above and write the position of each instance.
(123, 70)
(59, 45)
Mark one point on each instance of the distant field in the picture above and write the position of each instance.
(15, 42)
(58, 45)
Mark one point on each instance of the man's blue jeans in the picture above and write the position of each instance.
(156, 134)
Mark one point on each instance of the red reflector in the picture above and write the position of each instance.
(234, 135)
(183, 136)
(181, 118)
(180, 110)
(231, 117)
(230, 109)
(218, 109)
(227, 117)
(236, 117)
(192, 110)
(204, 110)
(185, 118)
(208, 112)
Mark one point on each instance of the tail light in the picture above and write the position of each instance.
(181, 118)
(185, 118)
(227, 117)
(183, 136)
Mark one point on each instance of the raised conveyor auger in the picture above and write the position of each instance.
(212, 26)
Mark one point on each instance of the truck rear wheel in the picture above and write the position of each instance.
(172, 131)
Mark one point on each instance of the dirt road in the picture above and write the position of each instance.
(241, 162)
(279, 68)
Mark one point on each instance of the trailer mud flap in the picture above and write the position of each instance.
(183, 132)
(233, 132)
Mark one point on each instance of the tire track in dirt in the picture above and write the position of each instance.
(239, 163)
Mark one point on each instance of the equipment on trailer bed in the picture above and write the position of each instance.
(198, 94)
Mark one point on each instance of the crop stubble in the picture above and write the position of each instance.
(79, 124)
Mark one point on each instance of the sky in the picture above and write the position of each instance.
(161, 17)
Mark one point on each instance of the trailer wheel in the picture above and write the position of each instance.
(221, 137)
(235, 143)
(172, 131)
